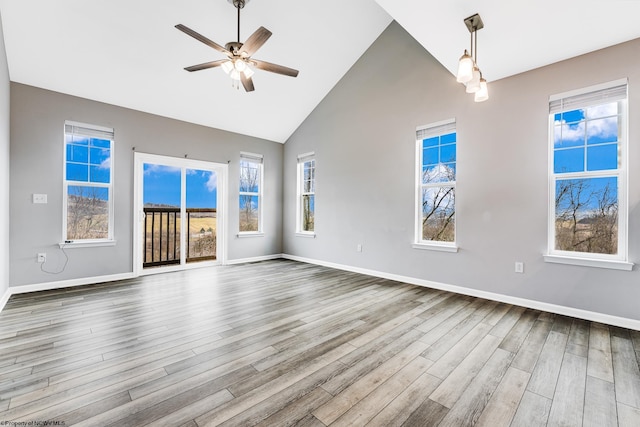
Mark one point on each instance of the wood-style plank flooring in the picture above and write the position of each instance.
(280, 343)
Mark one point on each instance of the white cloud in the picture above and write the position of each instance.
(602, 128)
(438, 173)
(212, 182)
(150, 168)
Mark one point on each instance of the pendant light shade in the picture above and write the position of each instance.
(465, 68)
(483, 93)
(473, 85)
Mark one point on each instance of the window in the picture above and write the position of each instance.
(436, 185)
(250, 193)
(88, 183)
(587, 174)
(306, 193)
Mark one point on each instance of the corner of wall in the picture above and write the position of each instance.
(5, 88)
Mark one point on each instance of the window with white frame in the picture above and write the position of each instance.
(250, 193)
(436, 184)
(306, 193)
(88, 183)
(587, 173)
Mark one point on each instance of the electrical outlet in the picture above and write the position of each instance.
(519, 267)
(359, 248)
(40, 198)
(42, 257)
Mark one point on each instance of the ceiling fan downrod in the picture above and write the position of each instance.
(239, 4)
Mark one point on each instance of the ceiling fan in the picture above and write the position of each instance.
(239, 61)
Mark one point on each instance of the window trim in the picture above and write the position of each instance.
(259, 160)
(619, 261)
(301, 160)
(103, 132)
(433, 129)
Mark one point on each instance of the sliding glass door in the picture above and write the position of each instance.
(178, 213)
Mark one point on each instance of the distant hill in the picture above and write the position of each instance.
(159, 205)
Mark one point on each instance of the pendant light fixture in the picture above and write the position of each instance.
(469, 73)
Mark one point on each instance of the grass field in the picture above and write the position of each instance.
(166, 243)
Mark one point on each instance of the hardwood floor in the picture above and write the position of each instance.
(284, 343)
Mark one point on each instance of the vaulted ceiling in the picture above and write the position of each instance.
(128, 53)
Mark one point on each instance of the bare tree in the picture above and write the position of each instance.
(249, 182)
(586, 216)
(438, 205)
(307, 213)
(87, 213)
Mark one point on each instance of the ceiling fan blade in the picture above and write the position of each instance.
(206, 65)
(247, 83)
(203, 39)
(255, 41)
(274, 68)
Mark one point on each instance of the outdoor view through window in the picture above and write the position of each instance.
(88, 183)
(249, 192)
(436, 183)
(163, 209)
(586, 177)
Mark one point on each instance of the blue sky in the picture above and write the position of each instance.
(586, 140)
(162, 186)
(88, 159)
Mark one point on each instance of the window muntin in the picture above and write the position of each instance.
(88, 183)
(437, 157)
(306, 193)
(587, 217)
(250, 193)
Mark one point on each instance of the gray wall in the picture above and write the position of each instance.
(4, 166)
(363, 134)
(37, 118)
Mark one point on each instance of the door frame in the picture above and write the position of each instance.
(222, 169)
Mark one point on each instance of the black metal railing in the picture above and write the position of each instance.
(162, 235)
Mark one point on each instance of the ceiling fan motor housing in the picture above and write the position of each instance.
(234, 47)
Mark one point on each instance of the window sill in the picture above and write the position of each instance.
(307, 235)
(435, 247)
(86, 244)
(250, 234)
(598, 263)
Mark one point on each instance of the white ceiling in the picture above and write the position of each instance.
(518, 35)
(128, 53)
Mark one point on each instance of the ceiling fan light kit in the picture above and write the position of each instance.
(469, 73)
(239, 63)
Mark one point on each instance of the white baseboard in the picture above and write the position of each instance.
(253, 259)
(15, 290)
(537, 305)
(47, 286)
(4, 299)
(522, 302)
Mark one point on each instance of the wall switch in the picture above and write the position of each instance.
(519, 267)
(42, 257)
(39, 198)
(359, 248)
